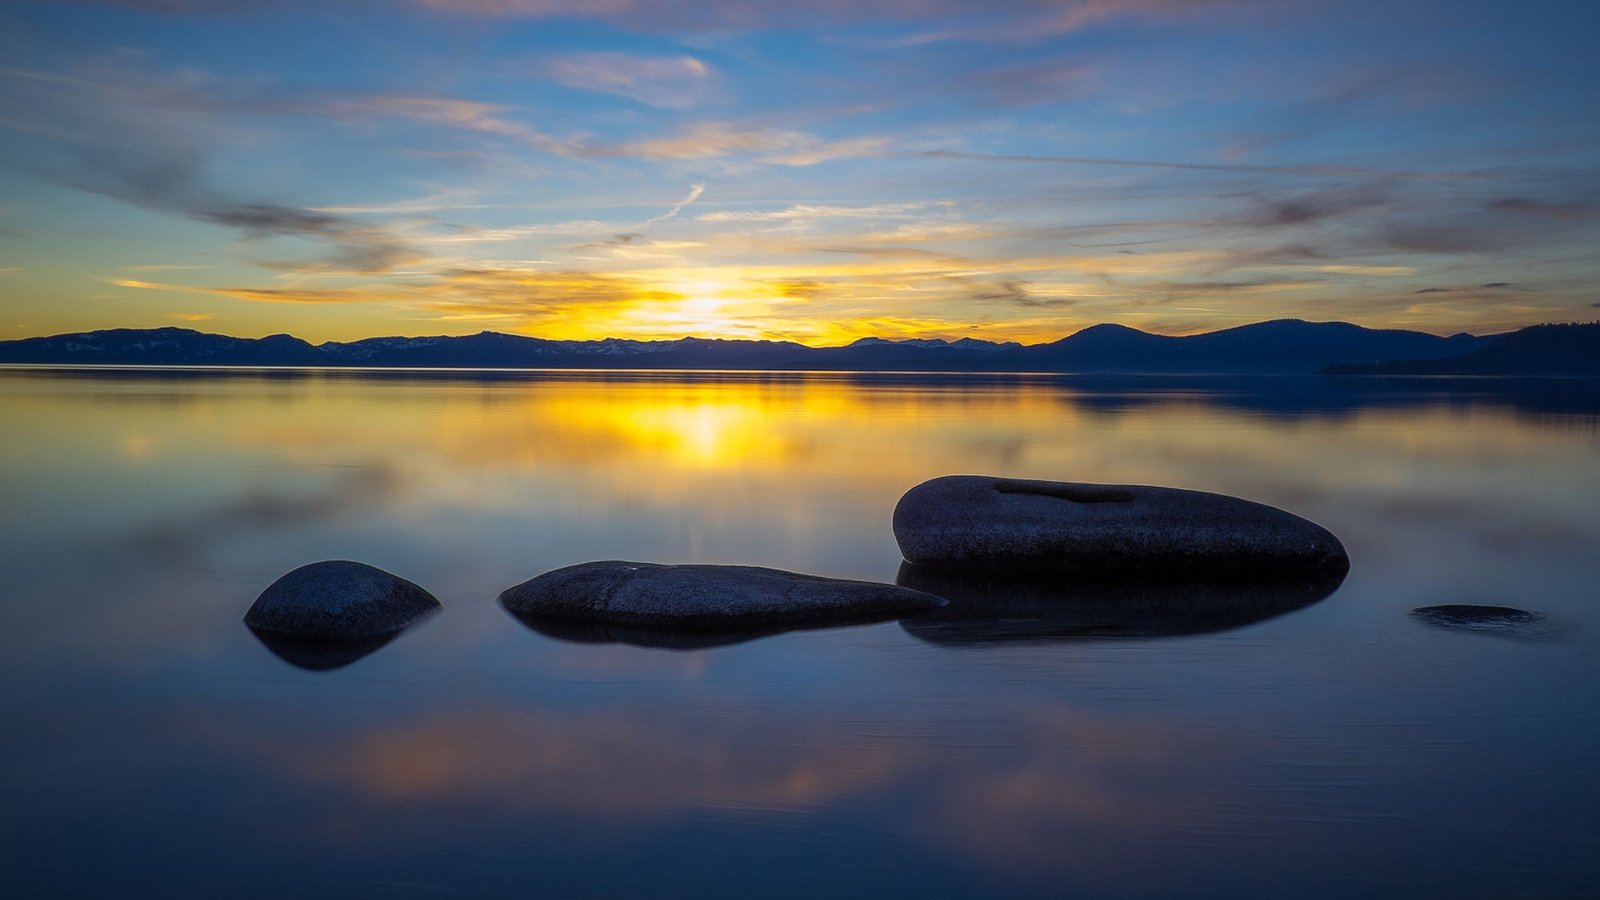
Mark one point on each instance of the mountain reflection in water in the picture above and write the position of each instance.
(1266, 741)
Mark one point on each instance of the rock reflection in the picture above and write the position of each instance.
(316, 654)
(672, 638)
(990, 610)
(319, 654)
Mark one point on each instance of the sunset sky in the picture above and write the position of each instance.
(815, 171)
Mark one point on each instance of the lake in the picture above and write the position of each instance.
(1331, 747)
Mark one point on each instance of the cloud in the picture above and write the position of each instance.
(1003, 20)
(803, 288)
(206, 8)
(665, 82)
(471, 116)
(171, 183)
(1031, 83)
(1541, 208)
(1191, 289)
(714, 140)
(810, 211)
(473, 235)
(1311, 208)
(526, 296)
(694, 194)
(1490, 286)
(1012, 291)
(1306, 170)
(264, 295)
(149, 141)
(1030, 23)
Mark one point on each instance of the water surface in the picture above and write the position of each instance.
(1335, 746)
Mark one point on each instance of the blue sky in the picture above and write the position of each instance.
(817, 172)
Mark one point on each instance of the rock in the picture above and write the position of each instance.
(339, 599)
(1502, 621)
(989, 609)
(981, 523)
(629, 596)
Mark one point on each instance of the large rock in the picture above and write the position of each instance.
(339, 600)
(981, 523)
(633, 595)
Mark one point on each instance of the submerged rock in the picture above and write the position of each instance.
(339, 599)
(989, 609)
(626, 597)
(1504, 621)
(982, 523)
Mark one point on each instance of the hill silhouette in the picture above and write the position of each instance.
(1571, 350)
(1282, 346)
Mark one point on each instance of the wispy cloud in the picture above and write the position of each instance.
(1029, 23)
(716, 140)
(463, 115)
(148, 141)
(1004, 20)
(813, 211)
(1312, 170)
(694, 194)
(666, 82)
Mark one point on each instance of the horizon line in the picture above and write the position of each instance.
(694, 337)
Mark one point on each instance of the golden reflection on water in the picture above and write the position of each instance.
(142, 514)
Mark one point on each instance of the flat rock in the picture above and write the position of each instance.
(705, 598)
(339, 599)
(983, 523)
(1502, 621)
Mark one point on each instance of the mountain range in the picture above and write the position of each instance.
(1281, 346)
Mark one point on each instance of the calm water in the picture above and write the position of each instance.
(153, 746)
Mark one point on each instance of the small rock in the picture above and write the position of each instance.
(981, 523)
(990, 609)
(339, 599)
(1503, 621)
(705, 598)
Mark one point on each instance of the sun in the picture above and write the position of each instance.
(703, 307)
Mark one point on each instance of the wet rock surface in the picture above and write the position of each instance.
(339, 600)
(1502, 621)
(620, 600)
(1057, 608)
(978, 523)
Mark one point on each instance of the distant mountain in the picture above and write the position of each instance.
(1281, 346)
(161, 347)
(1285, 346)
(1572, 350)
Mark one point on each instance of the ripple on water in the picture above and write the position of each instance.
(1502, 621)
